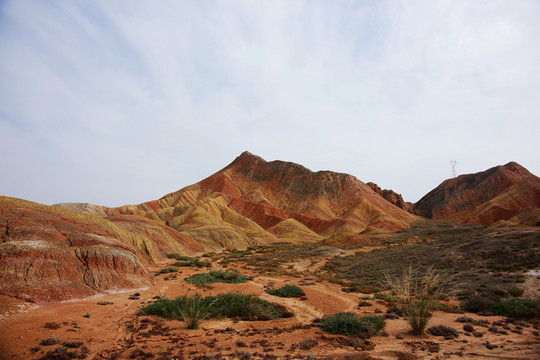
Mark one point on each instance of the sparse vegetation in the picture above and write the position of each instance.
(351, 324)
(230, 277)
(499, 255)
(288, 291)
(231, 305)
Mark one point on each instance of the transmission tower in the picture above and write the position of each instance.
(453, 163)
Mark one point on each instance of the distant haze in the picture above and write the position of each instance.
(120, 102)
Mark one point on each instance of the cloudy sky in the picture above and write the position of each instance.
(120, 102)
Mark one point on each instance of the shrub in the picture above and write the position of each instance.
(307, 344)
(364, 303)
(442, 330)
(167, 270)
(518, 308)
(231, 305)
(49, 341)
(191, 263)
(350, 324)
(231, 277)
(179, 257)
(420, 303)
(52, 325)
(288, 291)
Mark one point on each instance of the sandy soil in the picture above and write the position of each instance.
(115, 331)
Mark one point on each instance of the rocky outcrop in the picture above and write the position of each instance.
(503, 193)
(49, 254)
(393, 197)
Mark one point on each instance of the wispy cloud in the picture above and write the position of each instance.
(122, 102)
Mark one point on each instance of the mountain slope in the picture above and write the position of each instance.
(244, 203)
(502, 193)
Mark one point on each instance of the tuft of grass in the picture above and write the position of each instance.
(288, 291)
(230, 277)
(193, 310)
(421, 295)
(231, 305)
(351, 324)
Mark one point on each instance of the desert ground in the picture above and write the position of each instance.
(110, 327)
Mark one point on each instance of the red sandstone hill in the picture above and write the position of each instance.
(503, 193)
(77, 250)
(252, 201)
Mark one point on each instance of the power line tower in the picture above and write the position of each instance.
(453, 163)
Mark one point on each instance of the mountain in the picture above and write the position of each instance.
(50, 253)
(501, 194)
(252, 201)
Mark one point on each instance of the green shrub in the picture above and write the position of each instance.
(230, 277)
(231, 305)
(288, 291)
(515, 292)
(191, 263)
(179, 257)
(167, 270)
(518, 308)
(350, 324)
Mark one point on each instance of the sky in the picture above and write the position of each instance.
(121, 102)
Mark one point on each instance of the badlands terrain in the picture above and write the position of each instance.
(78, 280)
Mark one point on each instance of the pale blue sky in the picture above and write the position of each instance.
(120, 102)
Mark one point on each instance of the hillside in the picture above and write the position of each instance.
(252, 201)
(506, 193)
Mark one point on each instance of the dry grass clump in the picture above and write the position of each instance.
(420, 295)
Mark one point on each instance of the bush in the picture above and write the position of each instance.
(518, 308)
(231, 305)
(191, 263)
(52, 325)
(167, 270)
(179, 257)
(442, 330)
(49, 341)
(231, 277)
(351, 324)
(287, 291)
